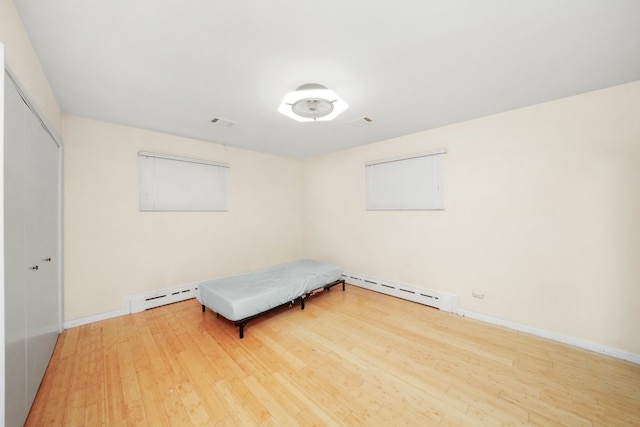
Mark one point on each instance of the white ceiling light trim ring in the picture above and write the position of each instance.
(312, 102)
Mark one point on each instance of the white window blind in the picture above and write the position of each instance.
(414, 182)
(169, 183)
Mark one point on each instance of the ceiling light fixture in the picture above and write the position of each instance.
(312, 102)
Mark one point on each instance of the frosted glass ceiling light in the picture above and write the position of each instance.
(312, 102)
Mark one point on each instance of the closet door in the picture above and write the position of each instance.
(31, 286)
(41, 249)
(16, 265)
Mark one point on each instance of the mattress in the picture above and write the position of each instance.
(244, 295)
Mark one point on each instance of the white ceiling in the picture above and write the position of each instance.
(172, 66)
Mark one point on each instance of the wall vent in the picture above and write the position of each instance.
(361, 121)
(141, 302)
(219, 121)
(438, 299)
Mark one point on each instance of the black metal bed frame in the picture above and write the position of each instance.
(243, 322)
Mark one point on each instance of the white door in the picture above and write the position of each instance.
(31, 256)
(16, 269)
(41, 249)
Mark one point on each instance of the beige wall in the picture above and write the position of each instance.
(542, 216)
(24, 64)
(113, 250)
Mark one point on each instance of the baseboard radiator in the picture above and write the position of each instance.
(141, 302)
(438, 299)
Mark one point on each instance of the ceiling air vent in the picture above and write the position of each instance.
(219, 121)
(362, 121)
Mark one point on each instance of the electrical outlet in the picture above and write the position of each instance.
(477, 295)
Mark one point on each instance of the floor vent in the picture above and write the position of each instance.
(141, 302)
(438, 299)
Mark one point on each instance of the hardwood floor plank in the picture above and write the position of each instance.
(204, 390)
(312, 411)
(332, 402)
(278, 409)
(196, 410)
(39, 407)
(250, 402)
(234, 405)
(351, 358)
(497, 412)
(553, 410)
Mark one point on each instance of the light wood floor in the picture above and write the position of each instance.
(351, 358)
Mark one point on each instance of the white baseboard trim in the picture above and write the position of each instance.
(94, 318)
(140, 302)
(575, 342)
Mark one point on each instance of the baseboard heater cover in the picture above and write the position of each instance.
(438, 299)
(141, 302)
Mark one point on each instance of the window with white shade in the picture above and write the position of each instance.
(170, 183)
(413, 182)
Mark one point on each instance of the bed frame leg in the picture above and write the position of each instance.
(241, 324)
(203, 308)
(332, 284)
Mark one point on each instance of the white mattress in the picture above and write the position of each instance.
(245, 295)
